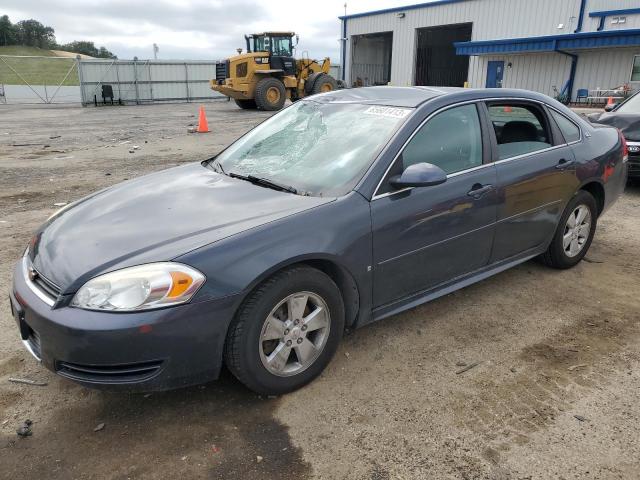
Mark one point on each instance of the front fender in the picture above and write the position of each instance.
(338, 233)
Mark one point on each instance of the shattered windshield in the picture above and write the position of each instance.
(320, 149)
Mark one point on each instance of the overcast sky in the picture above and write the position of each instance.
(190, 29)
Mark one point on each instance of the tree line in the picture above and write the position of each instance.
(32, 33)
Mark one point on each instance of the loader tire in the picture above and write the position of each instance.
(270, 94)
(324, 83)
(246, 104)
(310, 82)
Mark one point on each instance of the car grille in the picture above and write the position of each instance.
(634, 160)
(41, 286)
(124, 373)
(34, 342)
(46, 286)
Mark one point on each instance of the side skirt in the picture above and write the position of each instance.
(419, 298)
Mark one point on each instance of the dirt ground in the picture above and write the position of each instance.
(554, 395)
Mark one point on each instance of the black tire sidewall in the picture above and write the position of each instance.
(558, 256)
(310, 82)
(261, 94)
(321, 80)
(256, 376)
(245, 104)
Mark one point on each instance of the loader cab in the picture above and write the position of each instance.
(280, 47)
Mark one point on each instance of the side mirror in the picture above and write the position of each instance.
(419, 175)
(611, 107)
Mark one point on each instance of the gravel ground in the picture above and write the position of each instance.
(554, 394)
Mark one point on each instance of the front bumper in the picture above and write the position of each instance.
(145, 351)
(236, 91)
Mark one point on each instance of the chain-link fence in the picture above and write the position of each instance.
(85, 81)
(146, 81)
(25, 79)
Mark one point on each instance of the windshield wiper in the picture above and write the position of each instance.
(264, 182)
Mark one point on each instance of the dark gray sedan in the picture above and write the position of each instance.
(343, 209)
(626, 117)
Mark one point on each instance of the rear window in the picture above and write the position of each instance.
(520, 129)
(570, 130)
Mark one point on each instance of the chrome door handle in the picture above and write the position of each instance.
(478, 190)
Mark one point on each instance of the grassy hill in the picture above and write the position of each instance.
(29, 65)
(20, 50)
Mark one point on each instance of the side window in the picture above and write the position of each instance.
(520, 129)
(452, 140)
(570, 130)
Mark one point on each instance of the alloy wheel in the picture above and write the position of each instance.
(294, 334)
(576, 231)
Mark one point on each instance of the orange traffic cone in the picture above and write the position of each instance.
(610, 101)
(203, 126)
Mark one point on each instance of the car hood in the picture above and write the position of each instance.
(628, 123)
(153, 218)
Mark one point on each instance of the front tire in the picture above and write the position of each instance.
(286, 331)
(246, 104)
(270, 94)
(324, 83)
(574, 233)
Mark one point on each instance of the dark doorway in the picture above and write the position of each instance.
(371, 59)
(436, 61)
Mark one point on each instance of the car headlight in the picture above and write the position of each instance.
(143, 287)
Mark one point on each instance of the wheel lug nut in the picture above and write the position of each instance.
(300, 340)
(296, 322)
(303, 328)
(288, 343)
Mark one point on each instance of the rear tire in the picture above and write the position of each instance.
(324, 83)
(246, 104)
(276, 317)
(270, 94)
(574, 233)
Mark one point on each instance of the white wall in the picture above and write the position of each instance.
(496, 19)
(491, 19)
(605, 69)
(590, 24)
(537, 72)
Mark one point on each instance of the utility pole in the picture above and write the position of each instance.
(155, 51)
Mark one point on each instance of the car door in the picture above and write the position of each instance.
(425, 236)
(536, 176)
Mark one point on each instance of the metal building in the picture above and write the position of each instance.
(557, 47)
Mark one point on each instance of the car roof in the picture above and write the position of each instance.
(414, 96)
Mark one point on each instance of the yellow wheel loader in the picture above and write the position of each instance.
(267, 74)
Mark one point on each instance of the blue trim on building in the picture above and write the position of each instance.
(603, 14)
(402, 9)
(610, 13)
(583, 5)
(550, 43)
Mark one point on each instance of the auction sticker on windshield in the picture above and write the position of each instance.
(388, 111)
